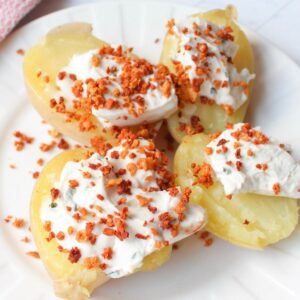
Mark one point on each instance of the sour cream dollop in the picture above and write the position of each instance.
(245, 160)
(116, 209)
(205, 61)
(118, 88)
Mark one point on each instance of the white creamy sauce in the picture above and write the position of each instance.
(157, 105)
(280, 167)
(219, 68)
(129, 253)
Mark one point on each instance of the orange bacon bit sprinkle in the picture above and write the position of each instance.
(250, 153)
(142, 237)
(35, 175)
(20, 52)
(276, 188)
(33, 254)
(154, 231)
(107, 253)
(54, 133)
(132, 168)
(22, 140)
(74, 255)
(109, 231)
(228, 109)
(25, 240)
(92, 262)
(239, 165)
(54, 193)
(40, 161)
(60, 236)
(170, 25)
(73, 183)
(19, 223)
(246, 222)
(208, 150)
(63, 144)
(208, 242)
(205, 237)
(229, 197)
(262, 167)
(47, 226)
(100, 197)
(95, 61)
(70, 230)
(47, 147)
(12, 166)
(203, 174)
(144, 201)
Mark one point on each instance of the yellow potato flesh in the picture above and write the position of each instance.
(212, 117)
(71, 281)
(48, 57)
(270, 218)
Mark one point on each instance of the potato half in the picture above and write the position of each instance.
(247, 220)
(212, 117)
(71, 281)
(42, 64)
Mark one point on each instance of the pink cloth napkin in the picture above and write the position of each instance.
(11, 12)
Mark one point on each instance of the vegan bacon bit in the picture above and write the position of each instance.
(47, 147)
(205, 237)
(54, 133)
(54, 193)
(262, 167)
(141, 236)
(175, 247)
(203, 174)
(107, 253)
(276, 188)
(208, 242)
(92, 262)
(144, 201)
(35, 175)
(246, 222)
(74, 255)
(40, 161)
(73, 183)
(19, 223)
(12, 166)
(250, 152)
(20, 52)
(229, 197)
(25, 240)
(22, 140)
(63, 144)
(33, 254)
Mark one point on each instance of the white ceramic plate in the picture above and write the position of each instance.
(221, 271)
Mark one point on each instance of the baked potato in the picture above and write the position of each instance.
(71, 280)
(42, 64)
(248, 220)
(212, 117)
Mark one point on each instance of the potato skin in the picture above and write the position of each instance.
(270, 218)
(71, 281)
(47, 58)
(212, 117)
